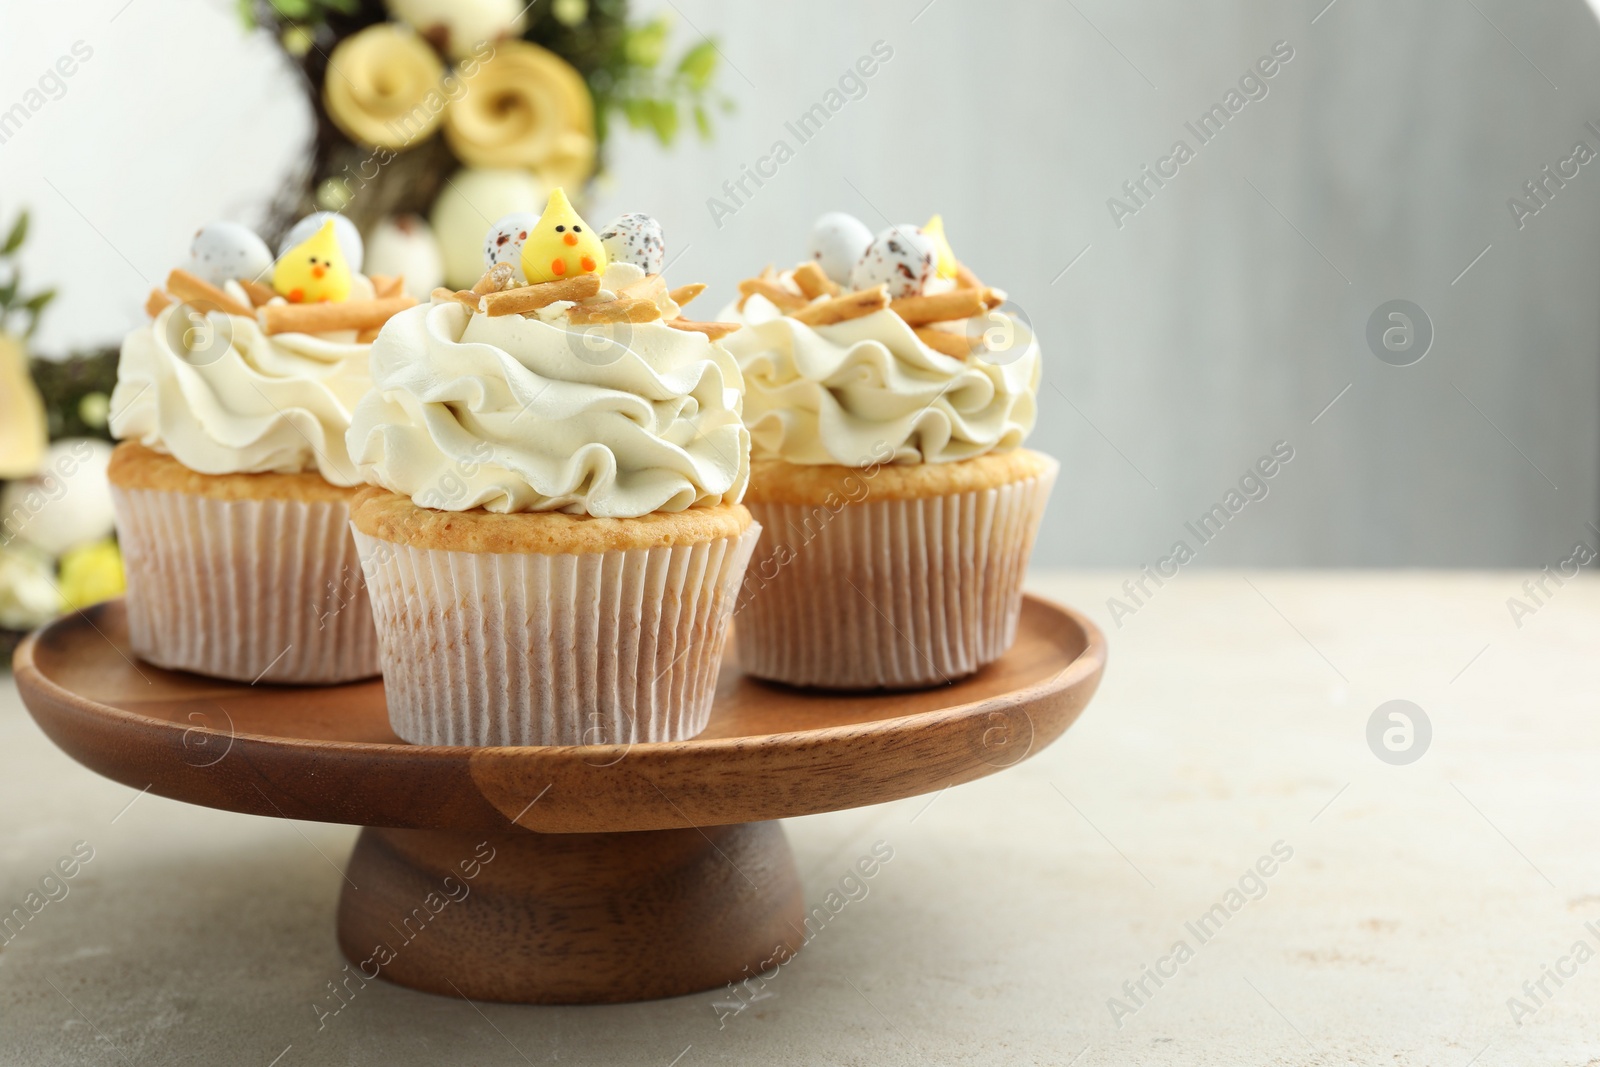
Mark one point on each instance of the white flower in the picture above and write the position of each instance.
(28, 596)
(458, 26)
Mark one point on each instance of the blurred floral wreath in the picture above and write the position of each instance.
(432, 118)
(435, 117)
(56, 545)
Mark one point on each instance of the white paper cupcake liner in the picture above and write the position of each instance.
(248, 590)
(890, 594)
(485, 648)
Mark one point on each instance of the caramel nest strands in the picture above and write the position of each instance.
(630, 310)
(156, 303)
(496, 279)
(714, 331)
(965, 279)
(526, 298)
(685, 293)
(650, 287)
(260, 293)
(941, 307)
(203, 295)
(951, 344)
(358, 315)
(385, 286)
(782, 298)
(842, 308)
(461, 296)
(813, 281)
(821, 303)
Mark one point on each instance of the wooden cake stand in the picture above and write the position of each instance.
(584, 874)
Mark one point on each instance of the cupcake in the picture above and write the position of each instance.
(231, 482)
(554, 539)
(887, 393)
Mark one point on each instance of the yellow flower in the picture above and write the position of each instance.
(92, 573)
(524, 107)
(23, 433)
(385, 87)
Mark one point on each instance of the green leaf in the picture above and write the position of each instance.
(292, 9)
(664, 120)
(8, 292)
(699, 64)
(19, 233)
(702, 121)
(638, 112)
(344, 7)
(35, 305)
(644, 44)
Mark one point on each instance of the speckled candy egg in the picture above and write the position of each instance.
(838, 241)
(350, 242)
(504, 241)
(635, 239)
(900, 258)
(222, 251)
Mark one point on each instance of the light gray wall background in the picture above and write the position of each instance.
(1225, 316)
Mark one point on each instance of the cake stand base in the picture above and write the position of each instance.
(570, 918)
(558, 874)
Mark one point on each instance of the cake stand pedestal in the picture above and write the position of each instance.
(575, 874)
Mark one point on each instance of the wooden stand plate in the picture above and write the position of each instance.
(580, 874)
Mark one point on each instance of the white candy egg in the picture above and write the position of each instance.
(222, 251)
(67, 503)
(350, 242)
(503, 243)
(403, 245)
(472, 195)
(838, 241)
(900, 258)
(635, 239)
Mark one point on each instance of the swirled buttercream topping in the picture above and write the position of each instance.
(512, 413)
(845, 393)
(222, 397)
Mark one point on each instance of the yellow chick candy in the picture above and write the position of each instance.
(562, 244)
(313, 271)
(945, 260)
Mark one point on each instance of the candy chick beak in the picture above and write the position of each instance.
(318, 271)
(570, 238)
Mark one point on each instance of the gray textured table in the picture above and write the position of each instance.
(1405, 908)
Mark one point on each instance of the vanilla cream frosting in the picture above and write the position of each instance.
(848, 393)
(264, 404)
(510, 414)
